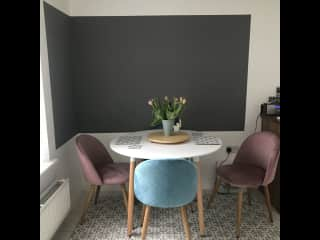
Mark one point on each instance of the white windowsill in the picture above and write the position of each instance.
(45, 165)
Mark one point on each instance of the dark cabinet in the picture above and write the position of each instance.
(270, 123)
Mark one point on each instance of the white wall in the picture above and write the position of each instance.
(62, 5)
(67, 165)
(264, 55)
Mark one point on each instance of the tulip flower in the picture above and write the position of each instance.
(166, 109)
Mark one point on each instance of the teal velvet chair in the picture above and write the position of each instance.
(165, 183)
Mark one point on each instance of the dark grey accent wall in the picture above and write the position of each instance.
(106, 69)
(121, 62)
(58, 30)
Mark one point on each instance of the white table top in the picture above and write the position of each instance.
(149, 150)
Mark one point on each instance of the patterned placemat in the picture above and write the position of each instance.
(196, 135)
(208, 140)
(129, 140)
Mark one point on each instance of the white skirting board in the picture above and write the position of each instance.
(54, 207)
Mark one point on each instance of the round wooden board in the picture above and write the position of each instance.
(177, 137)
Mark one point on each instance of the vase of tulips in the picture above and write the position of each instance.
(166, 111)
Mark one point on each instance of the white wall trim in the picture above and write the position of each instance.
(46, 82)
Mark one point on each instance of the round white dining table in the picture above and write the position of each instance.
(145, 149)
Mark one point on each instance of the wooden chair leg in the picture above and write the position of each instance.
(185, 223)
(145, 222)
(268, 202)
(87, 202)
(249, 196)
(142, 214)
(239, 208)
(214, 191)
(125, 195)
(228, 188)
(97, 195)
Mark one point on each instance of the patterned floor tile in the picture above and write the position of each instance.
(107, 221)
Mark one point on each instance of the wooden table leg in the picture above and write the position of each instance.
(199, 199)
(131, 197)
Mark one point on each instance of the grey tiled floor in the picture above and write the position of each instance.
(68, 226)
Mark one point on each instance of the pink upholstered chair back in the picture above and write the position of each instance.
(92, 155)
(261, 149)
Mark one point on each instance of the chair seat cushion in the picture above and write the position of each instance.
(241, 175)
(115, 173)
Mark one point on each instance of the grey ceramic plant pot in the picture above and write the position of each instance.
(167, 127)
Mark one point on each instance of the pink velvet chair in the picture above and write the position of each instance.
(254, 165)
(99, 169)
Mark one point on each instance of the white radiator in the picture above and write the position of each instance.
(54, 207)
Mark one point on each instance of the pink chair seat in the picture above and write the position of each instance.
(114, 173)
(242, 175)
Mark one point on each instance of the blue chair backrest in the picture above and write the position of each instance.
(165, 183)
